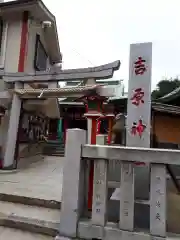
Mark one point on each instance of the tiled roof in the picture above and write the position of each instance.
(156, 106)
(170, 96)
(159, 107)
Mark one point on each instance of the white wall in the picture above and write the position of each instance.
(118, 90)
(13, 45)
(35, 28)
(13, 39)
(10, 65)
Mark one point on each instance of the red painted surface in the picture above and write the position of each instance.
(98, 126)
(24, 42)
(90, 187)
(93, 130)
(21, 64)
(91, 173)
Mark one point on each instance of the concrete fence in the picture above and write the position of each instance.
(74, 224)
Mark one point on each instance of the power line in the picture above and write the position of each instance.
(83, 56)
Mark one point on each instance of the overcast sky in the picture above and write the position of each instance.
(94, 32)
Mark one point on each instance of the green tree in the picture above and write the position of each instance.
(164, 87)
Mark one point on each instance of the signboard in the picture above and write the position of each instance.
(139, 109)
(139, 95)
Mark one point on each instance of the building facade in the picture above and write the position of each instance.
(168, 125)
(28, 43)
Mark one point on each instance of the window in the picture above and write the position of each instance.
(41, 57)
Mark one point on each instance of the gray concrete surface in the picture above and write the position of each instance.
(9, 233)
(42, 179)
(40, 213)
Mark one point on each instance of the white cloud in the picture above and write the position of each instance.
(100, 31)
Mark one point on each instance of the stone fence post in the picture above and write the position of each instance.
(72, 202)
(101, 139)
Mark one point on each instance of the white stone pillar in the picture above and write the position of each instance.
(101, 139)
(89, 127)
(12, 132)
(72, 201)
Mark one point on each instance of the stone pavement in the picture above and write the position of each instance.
(42, 179)
(7, 233)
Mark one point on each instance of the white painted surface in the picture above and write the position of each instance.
(3, 44)
(88, 231)
(108, 91)
(100, 188)
(9, 57)
(118, 90)
(73, 181)
(9, 60)
(158, 200)
(147, 155)
(126, 214)
(12, 131)
(13, 43)
(143, 110)
(89, 126)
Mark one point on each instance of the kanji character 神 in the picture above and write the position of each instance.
(138, 128)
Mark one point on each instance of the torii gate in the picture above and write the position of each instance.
(55, 75)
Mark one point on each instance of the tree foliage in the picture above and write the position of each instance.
(164, 87)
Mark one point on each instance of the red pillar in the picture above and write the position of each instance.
(110, 118)
(94, 108)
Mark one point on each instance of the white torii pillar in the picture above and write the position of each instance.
(12, 132)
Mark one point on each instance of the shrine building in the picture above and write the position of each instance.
(165, 117)
(72, 111)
